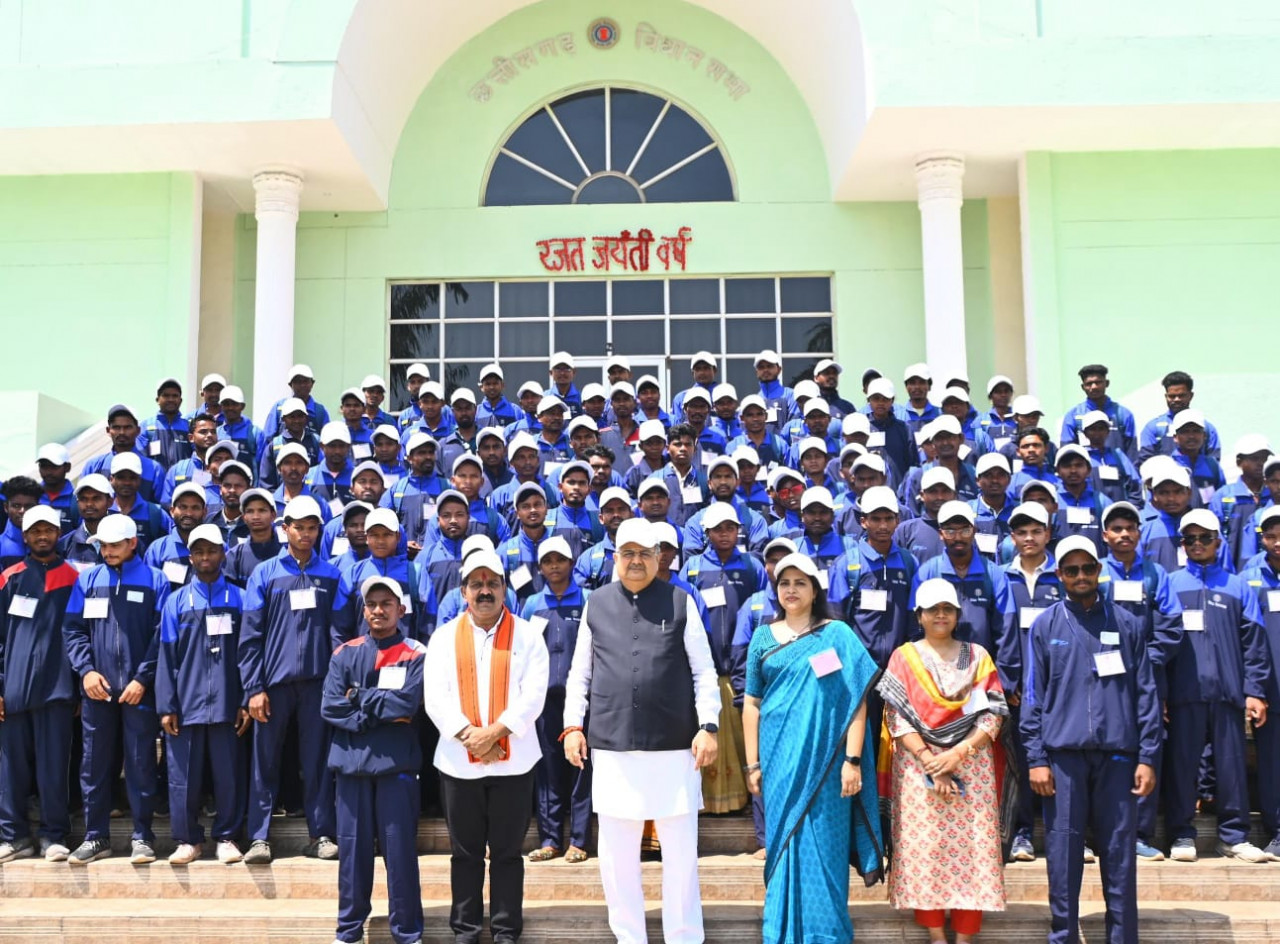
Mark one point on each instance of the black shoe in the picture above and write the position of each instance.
(91, 850)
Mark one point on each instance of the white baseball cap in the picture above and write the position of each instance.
(301, 370)
(717, 514)
(232, 394)
(726, 461)
(384, 517)
(528, 488)
(577, 465)
(521, 440)
(261, 493)
(529, 386)
(38, 514)
(563, 358)
(549, 403)
(386, 429)
(591, 391)
(920, 370)
(869, 460)
(1027, 405)
(817, 405)
(768, 357)
(463, 393)
(206, 532)
(723, 390)
(782, 472)
(1200, 517)
(649, 484)
(615, 493)
(1252, 443)
(491, 370)
(800, 562)
(335, 431)
(1071, 449)
(617, 360)
(210, 380)
(555, 544)
(477, 542)
(234, 465)
(648, 380)
(934, 591)
(114, 528)
(354, 393)
(304, 506)
(745, 453)
(881, 387)
(652, 429)
(1187, 417)
(992, 460)
(825, 365)
(126, 462)
(956, 509)
(188, 488)
(752, 399)
(372, 380)
(697, 393)
(854, 423)
(482, 560)
(1033, 510)
(1073, 543)
(878, 498)
(1170, 472)
(292, 405)
(53, 453)
(418, 370)
(785, 544)
(464, 458)
(369, 584)
(96, 483)
(955, 393)
(420, 439)
(811, 442)
(806, 390)
(996, 381)
(490, 432)
(579, 422)
(946, 423)
(1048, 487)
(431, 388)
(817, 495)
(1111, 509)
(292, 449)
(702, 357)
(938, 475)
(622, 386)
(636, 531)
(666, 533)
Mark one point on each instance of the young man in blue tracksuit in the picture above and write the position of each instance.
(372, 692)
(1090, 727)
(152, 521)
(722, 486)
(170, 555)
(37, 692)
(258, 509)
(164, 435)
(1263, 578)
(198, 699)
(725, 577)
(94, 495)
(54, 465)
(111, 635)
(251, 442)
(1236, 502)
(1221, 670)
(563, 792)
(1115, 476)
(1141, 586)
(20, 494)
(519, 553)
(987, 613)
(594, 567)
(301, 383)
(1156, 437)
(382, 535)
(920, 536)
(123, 428)
(202, 436)
(1094, 383)
(1034, 587)
(1080, 505)
(295, 432)
(284, 654)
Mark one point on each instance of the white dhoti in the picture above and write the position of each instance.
(628, 788)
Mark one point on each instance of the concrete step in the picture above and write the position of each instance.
(719, 835)
(305, 921)
(736, 878)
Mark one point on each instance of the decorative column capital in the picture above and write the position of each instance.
(277, 191)
(939, 176)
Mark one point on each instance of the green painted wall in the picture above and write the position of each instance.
(784, 220)
(100, 269)
(1176, 252)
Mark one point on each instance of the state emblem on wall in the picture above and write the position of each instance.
(603, 33)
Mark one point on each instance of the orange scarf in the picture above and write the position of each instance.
(499, 673)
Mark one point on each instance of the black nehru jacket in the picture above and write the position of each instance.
(641, 685)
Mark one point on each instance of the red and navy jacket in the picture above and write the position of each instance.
(122, 644)
(373, 686)
(197, 672)
(34, 670)
(288, 615)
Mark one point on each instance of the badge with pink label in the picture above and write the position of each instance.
(825, 662)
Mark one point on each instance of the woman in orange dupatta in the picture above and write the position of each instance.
(943, 711)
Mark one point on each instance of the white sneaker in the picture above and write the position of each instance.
(1244, 851)
(229, 852)
(1183, 850)
(54, 851)
(185, 854)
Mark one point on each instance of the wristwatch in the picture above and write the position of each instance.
(853, 759)
(709, 728)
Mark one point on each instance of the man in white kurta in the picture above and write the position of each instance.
(643, 665)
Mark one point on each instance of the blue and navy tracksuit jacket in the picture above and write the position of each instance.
(563, 614)
(1159, 609)
(1156, 440)
(280, 645)
(65, 502)
(250, 441)
(268, 475)
(243, 559)
(519, 556)
(34, 671)
(197, 671)
(1067, 706)
(1228, 659)
(152, 472)
(171, 549)
(164, 440)
(740, 576)
(317, 416)
(123, 644)
(753, 531)
(370, 735)
(1122, 435)
(349, 622)
(500, 415)
(882, 628)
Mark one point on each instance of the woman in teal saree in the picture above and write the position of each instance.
(811, 757)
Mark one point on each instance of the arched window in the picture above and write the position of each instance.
(609, 145)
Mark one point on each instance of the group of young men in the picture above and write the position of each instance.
(269, 598)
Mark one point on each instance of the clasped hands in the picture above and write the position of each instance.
(482, 742)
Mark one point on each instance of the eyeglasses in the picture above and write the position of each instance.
(1075, 570)
(957, 532)
(1191, 540)
(637, 555)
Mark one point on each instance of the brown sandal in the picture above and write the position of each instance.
(544, 854)
(575, 855)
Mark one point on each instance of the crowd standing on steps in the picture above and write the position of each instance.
(899, 626)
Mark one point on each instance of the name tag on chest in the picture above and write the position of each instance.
(341, 544)
(987, 543)
(391, 677)
(1027, 615)
(429, 511)
(1079, 515)
(823, 579)
(23, 607)
(1107, 663)
(713, 597)
(771, 415)
(875, 440)
(1273, 601)
(335, 506)
(520, 577)
(153, 448)
(97, 608)
(217, 624)
(1130, 591)
(873, 601)
(304, 599)
(361, 451)
(1108, 473)
(825, 662)
(175, 572)
(1193, 621)
(691, 495)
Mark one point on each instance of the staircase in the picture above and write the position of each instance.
(1214, 901)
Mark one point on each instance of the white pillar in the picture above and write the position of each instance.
(940, 194)
(276, 198)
